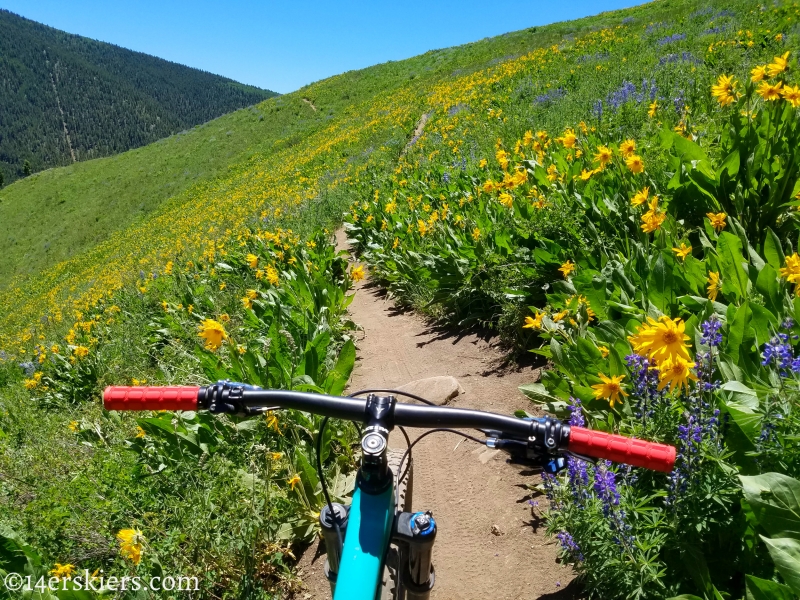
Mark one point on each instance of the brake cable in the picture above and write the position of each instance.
(427, 433)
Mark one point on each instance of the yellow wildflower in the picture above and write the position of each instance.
(778, 65)
(652, 109)
(791, 95)
(357, 273)
(506, 200)
(476, 234)
(81, 351)
(603, 351)
(63, 571)
(213, 332)
(640, 197)
(717, 220)
(652, 220)
(560, 315)
(724, 89)
(140, 432)
(272, 275)
(627, 148)
(534, 322)
(603, 156)
(662, 339)
(675, 372)
(294, 481)
(131, 543)
(758, 73)
(568, 139)
(635, 163)
(272, 421)
(683, 251)
(610, 389)
(252, 260)
(713, 285)
(769, 91)
(483, 163)
(567, 268)
(792, 269)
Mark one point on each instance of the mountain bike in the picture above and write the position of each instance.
(377, 547)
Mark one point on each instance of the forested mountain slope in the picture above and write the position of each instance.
(66, 98)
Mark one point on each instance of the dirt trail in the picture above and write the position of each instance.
(490, 543)
(310, 103)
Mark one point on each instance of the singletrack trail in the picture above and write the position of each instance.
(490, 542)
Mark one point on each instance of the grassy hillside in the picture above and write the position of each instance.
(521, 207)
(66, 98)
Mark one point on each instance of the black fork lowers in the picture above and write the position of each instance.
(414, 534)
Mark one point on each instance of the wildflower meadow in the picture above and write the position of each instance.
(617, 198)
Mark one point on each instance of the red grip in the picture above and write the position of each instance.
(150, 398)
(621, 449)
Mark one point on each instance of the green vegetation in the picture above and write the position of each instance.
(66, 98)
(577, 188)
(642, 237)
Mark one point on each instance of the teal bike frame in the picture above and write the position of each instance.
(369, 532)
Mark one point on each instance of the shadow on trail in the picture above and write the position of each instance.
(572, 591)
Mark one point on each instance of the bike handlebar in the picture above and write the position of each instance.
(551, 434)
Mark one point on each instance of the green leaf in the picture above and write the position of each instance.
(730, 164)
(729, 253)
(763, 324)
(696, 565)
(785, 553)
(762, 589)
(741, 394)
(308, 474)
(773, 251)
(739, 332)
(337, 379)
(768, 286)
(775, 501)
(556, 384)
(538, 393)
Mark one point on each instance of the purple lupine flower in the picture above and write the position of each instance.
(711, 335)
(679, 102)
(675, 37)
(28, 367)
(597, 109)
(550, 96)
(605, 486)
(568, 544)
(704, 362)
(787, 323)
(446, 178)
(622, 95)
(778, 352)
(576, 413)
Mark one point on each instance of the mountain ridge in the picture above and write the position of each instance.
(65, 98)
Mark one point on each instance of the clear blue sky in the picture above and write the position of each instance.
(284, 45)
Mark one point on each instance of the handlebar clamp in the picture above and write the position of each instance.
(225, 396)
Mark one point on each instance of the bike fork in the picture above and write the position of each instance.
(414, 533)
(330, 523)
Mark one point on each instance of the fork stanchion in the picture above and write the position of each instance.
(332, 539)
(416, 532)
